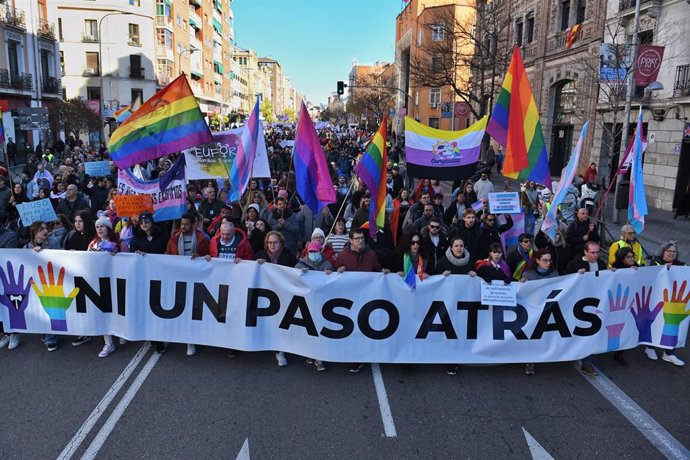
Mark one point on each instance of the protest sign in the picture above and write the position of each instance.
(133, 205)
(252, 307)
(504, 203)
(499, 293)
(35, 211)
(97, 168)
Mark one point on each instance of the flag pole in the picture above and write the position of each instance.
(341, 207)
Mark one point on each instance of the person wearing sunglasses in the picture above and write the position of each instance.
(411, 244)
(434, 241)
(491, 232)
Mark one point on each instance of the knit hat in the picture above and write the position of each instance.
(104, 221)
(318, 232)
(283, 193)
(314, 246)
(255, 207)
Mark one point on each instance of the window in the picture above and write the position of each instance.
(529, 28)
(565, 14)
(135, 68)
(62, 63)
(137, 93)
(92, 67)
(60, 37)
(135, 2)
(134, 35)
(435, 96)
(419, 37)
(519, 27)
(91, 29)
(434, 122)
(581, 9)
(438, 32)
(436, 64)
(13, 56)
(93, 93)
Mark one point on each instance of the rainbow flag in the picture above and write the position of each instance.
(515, 125)
(411, 272)
(168, 122)
(241, 170)
(371, 169)
(122, 114)
(312, 177)
(637, 199)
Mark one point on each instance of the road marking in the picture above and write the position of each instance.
(669, 446)
(386, 415)
(85, 429)
(536, 449)
(109, 424)
(244, 451)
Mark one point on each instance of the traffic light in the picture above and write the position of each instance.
(341, 88)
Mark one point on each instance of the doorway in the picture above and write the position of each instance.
(683, 178)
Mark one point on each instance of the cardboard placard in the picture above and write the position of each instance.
(34, 211)
(133, 205)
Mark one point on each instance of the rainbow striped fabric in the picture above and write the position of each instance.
(168, 122)
(515, 125)
(371, 168)
(121, 115)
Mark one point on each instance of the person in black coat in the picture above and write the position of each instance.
(456, 260)
(470, 232)
(588, 262)
(580, 231)
(494, 268)
(434, 241)
(491, 232)
(148, 237)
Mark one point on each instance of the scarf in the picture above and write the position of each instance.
(410, 276)
(180, 243)
(520, 268)
(274, 256)
(458, 262)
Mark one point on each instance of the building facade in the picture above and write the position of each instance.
(275, 72)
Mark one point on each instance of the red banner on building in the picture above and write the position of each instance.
(648, 64)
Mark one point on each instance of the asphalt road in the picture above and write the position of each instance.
(212, 406)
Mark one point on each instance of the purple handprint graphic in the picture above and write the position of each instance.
(644, 317)
(15, 295)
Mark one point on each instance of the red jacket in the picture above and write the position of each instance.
(327, 252)
(201, 243)
(244, 249)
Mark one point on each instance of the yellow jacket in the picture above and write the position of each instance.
(636, 247)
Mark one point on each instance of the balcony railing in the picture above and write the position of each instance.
(136, 72)
(51, 85)
(88, 38)
(21, 81)
(136, 42)
(681, 87)
(91, 72)
(164, 21)
(625, 4)
(557, 42)
(46, 29)
(163, 80)
(529, 50)
(13, 17)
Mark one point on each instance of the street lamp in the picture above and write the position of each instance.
(191, 50)
(100, 63)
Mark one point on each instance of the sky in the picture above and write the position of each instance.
(315, 41)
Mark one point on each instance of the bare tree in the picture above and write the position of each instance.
(372, 95)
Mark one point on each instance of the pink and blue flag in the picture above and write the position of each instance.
(550, 224)
(241, 170)
(313, 179)
(637, 200)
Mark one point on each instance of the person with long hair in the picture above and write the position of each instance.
(456, 261)
(401, 204)
(338, 237)
(411, 247)
(494, 268)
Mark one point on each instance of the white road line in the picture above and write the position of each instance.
(536, 449)
(92, 419)
(669, 446)
(109, 424)
(386, 415)
(244, 451)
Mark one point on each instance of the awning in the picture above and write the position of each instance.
(217, 26)
(198, 2)
(219, 6)
(197, 73)
(219, 66)
(193, 23)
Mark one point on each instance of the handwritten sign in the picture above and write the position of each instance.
(35, 211)
(504, 203)
(97, 168)
(499, 294)
(133, 205)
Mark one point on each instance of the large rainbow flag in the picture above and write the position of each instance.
(168, 122)
(515, 125)
(371, 168)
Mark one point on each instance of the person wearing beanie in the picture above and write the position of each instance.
(326, 248)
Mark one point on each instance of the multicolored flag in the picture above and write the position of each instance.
(2, 129)
(572, 35)
(637, 200)
(515, 125)
(371, 168)
(411, 272)
(438, 154)
(549, 225)
(168, 122)
(313, 179)
(241, 170)
(123, 113)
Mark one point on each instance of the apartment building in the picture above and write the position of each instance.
(275, 72)
(258, 78)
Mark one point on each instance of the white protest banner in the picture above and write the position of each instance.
(35, 211)
(504, 203)
(499, 293)
(215, 161)
(252, 307)
(97, 168)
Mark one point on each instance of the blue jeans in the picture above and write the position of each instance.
(530, 220)
(50, 339)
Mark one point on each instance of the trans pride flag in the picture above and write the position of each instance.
(637, 200)
(241, 170)
(168, 122)
(313, 179)
(121, 115)
(437, 154)
(515, 125)
(371, 169)
(550, 224)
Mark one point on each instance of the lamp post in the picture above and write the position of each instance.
(100, 64)
(191, 50)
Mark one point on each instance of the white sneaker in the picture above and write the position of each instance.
(4, 341)
(191, 349)
(651, 353)
(14, 341)
(673, 359)
(107, 349)
(282, 360)
(123, 341)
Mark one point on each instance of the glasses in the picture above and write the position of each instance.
(526, 241)
(435, 226)
(145, 221)
(413, 242)
(491, 220)
(671, 251)
(548, 261)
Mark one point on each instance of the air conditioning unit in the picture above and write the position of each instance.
(434, 105)
(90, 72)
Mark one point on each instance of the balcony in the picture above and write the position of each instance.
(529, 50)
(134, 42)
(557, 42)
(51, 85)
(166, 53)
(90, 72)
(13, 17)
(136, 73)
(626, 4)
(46, 29)
(163, 80)
(681, 87)
(89, 38)
(16, 80)
(165, 22)
(194, 19)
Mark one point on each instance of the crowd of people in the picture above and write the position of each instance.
(443, 232)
